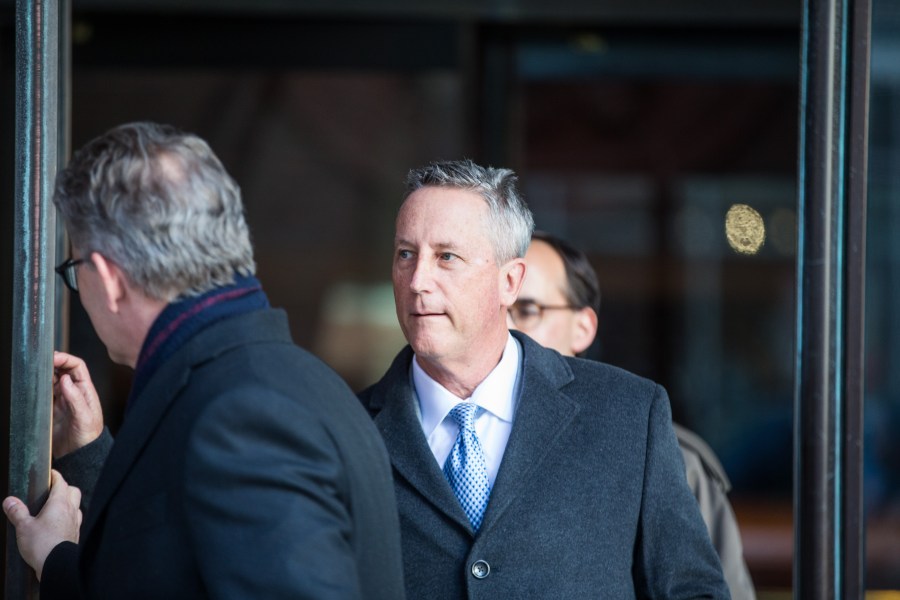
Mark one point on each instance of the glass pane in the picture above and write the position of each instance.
(672, 162)
(882, 384)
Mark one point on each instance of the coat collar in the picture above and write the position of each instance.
(164, 386)
(543, 414)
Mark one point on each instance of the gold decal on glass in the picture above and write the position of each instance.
(744, 229)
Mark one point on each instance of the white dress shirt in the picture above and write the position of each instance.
(496, 397)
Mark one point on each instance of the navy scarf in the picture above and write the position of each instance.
(181, 320)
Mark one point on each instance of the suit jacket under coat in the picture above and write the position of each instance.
(590, 500)
(244, 469)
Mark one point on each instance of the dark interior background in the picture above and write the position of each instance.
(634, 128)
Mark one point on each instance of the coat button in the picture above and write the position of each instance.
(480, 569)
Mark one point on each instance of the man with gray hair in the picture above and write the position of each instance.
(244, 467)
(519, 473)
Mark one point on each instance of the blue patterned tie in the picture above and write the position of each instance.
(465, 468)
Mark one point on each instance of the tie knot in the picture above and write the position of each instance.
(464, 415)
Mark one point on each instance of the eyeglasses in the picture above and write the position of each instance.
(527, 314)
(67, 272)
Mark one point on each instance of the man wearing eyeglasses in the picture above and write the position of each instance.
(244, 467)
(519, 473)
(557, 306)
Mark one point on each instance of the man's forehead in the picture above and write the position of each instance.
(444, 223)
(544, 257)
(441, 201)
(545, 272)
(400, 240)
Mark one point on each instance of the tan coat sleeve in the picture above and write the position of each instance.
(710, 485)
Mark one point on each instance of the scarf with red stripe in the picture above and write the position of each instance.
(183, 319)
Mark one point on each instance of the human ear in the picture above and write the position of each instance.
(112, 281)
(584, 329)
(512, 274)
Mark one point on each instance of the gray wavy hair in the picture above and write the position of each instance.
(510, 221)
(160, 205)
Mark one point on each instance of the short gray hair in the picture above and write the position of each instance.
(510, 222)
(160, 205)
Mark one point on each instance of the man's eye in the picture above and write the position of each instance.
(447, 256)
(527, 309)
(404, 254)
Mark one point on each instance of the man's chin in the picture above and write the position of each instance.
(425, 345)
(426, 327)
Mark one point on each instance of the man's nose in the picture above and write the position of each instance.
(422, 277)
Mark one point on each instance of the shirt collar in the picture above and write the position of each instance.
(496, 393)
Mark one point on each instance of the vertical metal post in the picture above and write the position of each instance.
(853, 567)
(828, 400)
(36, 134)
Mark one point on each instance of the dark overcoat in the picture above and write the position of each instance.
(590, 500)
(245, 468)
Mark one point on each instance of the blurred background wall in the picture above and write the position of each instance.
(634, 127)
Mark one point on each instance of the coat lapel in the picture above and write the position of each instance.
(410, 454)
(543, 415)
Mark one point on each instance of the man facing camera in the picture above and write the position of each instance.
(244, 467)
(519, 473)
(557, 307)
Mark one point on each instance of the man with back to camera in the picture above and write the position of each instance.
(519, 473)
(244, 467)
(557, 307)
